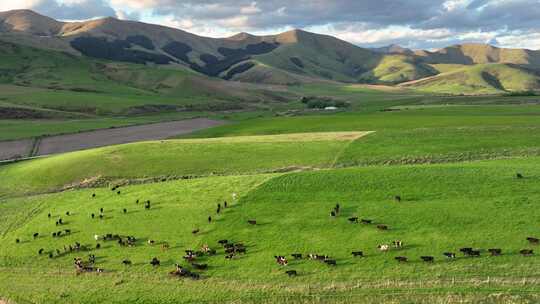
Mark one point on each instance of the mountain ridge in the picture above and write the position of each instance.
(292, 57)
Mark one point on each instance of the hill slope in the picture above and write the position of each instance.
(480, 79)
(293, 57)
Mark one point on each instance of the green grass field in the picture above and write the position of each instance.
(453, 160)
(444, 207)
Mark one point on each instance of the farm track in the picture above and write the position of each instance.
(99, 138)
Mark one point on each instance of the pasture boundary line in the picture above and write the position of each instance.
(340, 153)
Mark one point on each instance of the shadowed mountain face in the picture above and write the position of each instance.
(288, 58)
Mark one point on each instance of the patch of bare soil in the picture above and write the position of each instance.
(107, 137)
(15, 149)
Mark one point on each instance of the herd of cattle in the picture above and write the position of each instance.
(230, 249)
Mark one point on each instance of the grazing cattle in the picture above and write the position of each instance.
(96, 237)
(225, 204)
(252, 222)
(397, 198)
(118, 192)
(101, 216)
(54, 234)
(401, 259)
(49, 215)
(93, 195)
(92, 215)
(137, 201)
(234, 196)
(124, 210)
(59, 233)
(357, 254)
(209, 219)
(382, 227)
(296, 256)
(17, 241)
(281, 260)
(353, 219)
(151, 242)
(450, 255)
(57, 223)
(155, 262)
(92, 258)
(332, 213)
(397, 243)
(291, 273)
(330, 262)
(229, 256)
(474, 253)
(36, 235)
(67, 231)
(40, 252)
(533, 240)
(98, 246)
(526, 252)
(67, 213)
(519, 175)
(165, 246)
(101, 210)
(126, 262)
(364, 221)
(495, 251)
(465, 250)
(223, 242)
(337, 208)
(428, 259)
(383, 247)
(51, 255)
(241, 250)
(195, 231)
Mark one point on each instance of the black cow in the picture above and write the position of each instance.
(382, 227)
(252, 222)
(155, 262)
(209, 219)
(397, 198)
(297, 256)
(401, 259)
(291, 273)
(428, 259)
(365, 221)
(526, 252)
(40, 252)
(357, 254)
(353, 219)
(36, 235)
(223, 242)
(533, 240)
(519, 175)
(330, 262)
(495, 251)
(127, 262)
(450, 255)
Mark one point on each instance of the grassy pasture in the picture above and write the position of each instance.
(444, 207)
(225, 156)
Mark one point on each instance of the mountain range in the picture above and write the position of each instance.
(293, 57)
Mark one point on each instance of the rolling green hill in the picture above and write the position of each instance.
(480, 205)
(479, 79)
(289, 58)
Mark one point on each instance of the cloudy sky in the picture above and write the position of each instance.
(416, 24)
